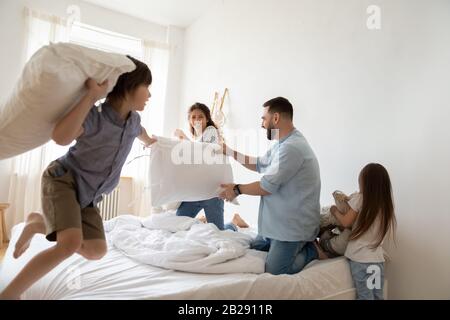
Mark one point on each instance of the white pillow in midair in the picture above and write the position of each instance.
(51, 84)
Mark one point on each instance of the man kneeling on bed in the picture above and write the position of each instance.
(289, 210)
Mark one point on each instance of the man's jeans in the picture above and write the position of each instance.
(285, 257)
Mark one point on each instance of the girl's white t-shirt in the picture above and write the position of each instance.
(360, 250)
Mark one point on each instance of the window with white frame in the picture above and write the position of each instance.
(96, 38)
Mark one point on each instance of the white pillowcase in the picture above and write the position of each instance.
(171, 180)
(51, 83)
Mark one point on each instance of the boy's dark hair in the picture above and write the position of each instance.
(203, 108)
(129, 81)
(280, 105)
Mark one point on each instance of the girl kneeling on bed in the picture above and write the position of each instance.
(203, 129)
(370, 217)
(73, 184)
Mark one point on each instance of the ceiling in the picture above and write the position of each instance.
(180, 13)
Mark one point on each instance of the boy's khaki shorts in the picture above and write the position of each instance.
(61, 208)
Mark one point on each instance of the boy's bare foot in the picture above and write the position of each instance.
(322, 254)
(35, 224)
(202, 218)
(238, 221)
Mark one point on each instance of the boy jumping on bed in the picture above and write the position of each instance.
(73, 184)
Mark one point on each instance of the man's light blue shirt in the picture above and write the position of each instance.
(291, 174)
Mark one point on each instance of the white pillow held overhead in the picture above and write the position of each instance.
(51, 84)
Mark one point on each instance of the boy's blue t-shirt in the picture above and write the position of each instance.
(96, 159)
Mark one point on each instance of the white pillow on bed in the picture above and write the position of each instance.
(51, 83)
(174, 180)
(168, 221)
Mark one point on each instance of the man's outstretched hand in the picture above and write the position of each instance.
(227, 193)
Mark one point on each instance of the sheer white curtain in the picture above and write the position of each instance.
(42, 29)
(24, 191)
(156, 56)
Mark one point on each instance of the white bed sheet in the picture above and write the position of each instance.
(118, 277)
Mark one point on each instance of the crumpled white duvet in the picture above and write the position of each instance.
(184, 244)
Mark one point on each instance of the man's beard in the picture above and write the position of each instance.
(270, 133)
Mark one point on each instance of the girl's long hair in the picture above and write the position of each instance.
(377, 203)
(203, 108)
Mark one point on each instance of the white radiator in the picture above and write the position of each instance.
(109, 206)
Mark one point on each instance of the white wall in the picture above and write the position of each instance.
(359, 95)
(12, 38)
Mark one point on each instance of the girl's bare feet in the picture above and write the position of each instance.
(238, 221)
(202, 218)
(34, 224)
(322, 254)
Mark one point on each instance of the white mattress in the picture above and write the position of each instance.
(118, 277)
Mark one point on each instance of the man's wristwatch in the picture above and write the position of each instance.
(236, 190)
